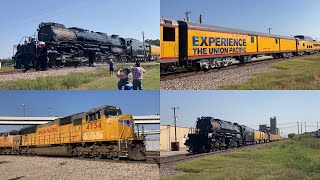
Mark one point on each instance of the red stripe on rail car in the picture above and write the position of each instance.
(240, 53)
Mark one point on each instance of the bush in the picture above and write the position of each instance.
(292, 135)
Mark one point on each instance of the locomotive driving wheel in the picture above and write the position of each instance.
(81, 155)
(98, 155)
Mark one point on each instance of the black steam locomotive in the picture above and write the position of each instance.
(69, 46)
(215, 134)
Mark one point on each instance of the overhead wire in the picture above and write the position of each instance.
(19, 12)
(42, 11)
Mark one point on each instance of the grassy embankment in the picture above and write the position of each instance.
(298, 74)
(6, 69)
(297, 158)
(97, 80)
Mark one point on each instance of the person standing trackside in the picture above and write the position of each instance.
(42, 59)
(111, 66)
(137, 72)
(125, 77)
(53, 55)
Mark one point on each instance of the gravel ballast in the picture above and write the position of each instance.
(25, 168)
(213, 80)
(49, 72)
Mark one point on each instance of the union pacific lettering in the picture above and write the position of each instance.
(45, 131)
(203, 45)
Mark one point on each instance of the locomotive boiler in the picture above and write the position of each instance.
(54, 33)
(73, 46)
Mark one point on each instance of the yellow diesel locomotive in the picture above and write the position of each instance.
(102, 132)
(197, 46)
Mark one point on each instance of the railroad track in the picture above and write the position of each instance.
(183, 74)
(152, 158)
(50, 69)
(22, 72)
(190, 156)
(34, 70)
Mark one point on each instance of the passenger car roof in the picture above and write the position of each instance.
(233, 30)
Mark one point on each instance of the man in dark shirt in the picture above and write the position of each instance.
(111, 66)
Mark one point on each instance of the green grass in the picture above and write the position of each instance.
(6, 69)
(151, 79)
(50, 83)
(297, 158)
(297, 74)
(98, 80)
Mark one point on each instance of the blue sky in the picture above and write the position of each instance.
(123, 17)
(64, 103)
(245, 107)
(285, 17)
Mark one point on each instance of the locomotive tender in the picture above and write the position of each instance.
(197, 46)
(102, 132)
(214, 134)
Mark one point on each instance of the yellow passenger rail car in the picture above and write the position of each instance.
(198, 46)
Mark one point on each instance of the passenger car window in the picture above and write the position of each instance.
(169, 34)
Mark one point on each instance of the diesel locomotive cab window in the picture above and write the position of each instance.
(99, 115)
(93, 116)
(169, 34)
(112, 112)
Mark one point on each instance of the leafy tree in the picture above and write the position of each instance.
(6, 62)
(155, 42)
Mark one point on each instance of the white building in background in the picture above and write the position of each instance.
(167, 136)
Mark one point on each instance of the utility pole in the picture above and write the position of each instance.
(49, 109)
(200, 19)
(175, 123)
(305, 127)
(144, 48)
(24, 110)
(298, 128)
(187, 15)
(301, 127)
(269, 29)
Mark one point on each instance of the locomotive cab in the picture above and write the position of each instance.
(115, 130)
